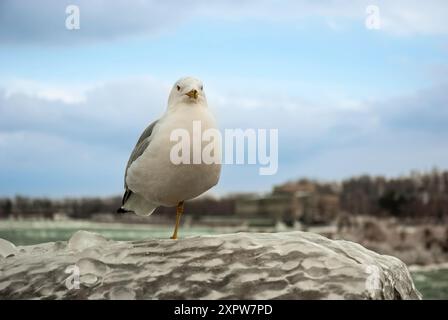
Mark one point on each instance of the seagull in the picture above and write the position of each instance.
(151, 178)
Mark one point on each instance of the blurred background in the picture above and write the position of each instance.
(358, 94)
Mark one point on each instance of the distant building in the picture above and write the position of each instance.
(290, 202)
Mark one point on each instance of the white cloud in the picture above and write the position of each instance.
(43, 21)
(69, 94)
(410, 17)
(92, 113)
(389, 152)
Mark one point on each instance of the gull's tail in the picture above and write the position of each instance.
(134, 203)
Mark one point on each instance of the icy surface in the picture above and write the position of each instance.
(7, 248)
(286, 265)
(83, 239)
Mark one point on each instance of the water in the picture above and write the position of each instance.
(33, 232)
(432, 284)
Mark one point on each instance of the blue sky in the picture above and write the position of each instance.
(346, 100)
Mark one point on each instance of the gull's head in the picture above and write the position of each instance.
(187, 90)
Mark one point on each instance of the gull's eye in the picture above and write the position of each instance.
(178, 88)
(202, 88)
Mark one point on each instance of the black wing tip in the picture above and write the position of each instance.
(122, 210)
(126, 196)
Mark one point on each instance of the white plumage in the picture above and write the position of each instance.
(151, 179)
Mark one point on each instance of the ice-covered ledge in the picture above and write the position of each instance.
(292, 265)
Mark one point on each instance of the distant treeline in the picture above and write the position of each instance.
(417, 196)
(83, 208)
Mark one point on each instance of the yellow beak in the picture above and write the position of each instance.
(193, 94)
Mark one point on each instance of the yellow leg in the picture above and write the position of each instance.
(179, 211)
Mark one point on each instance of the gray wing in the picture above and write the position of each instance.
(140, 147)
